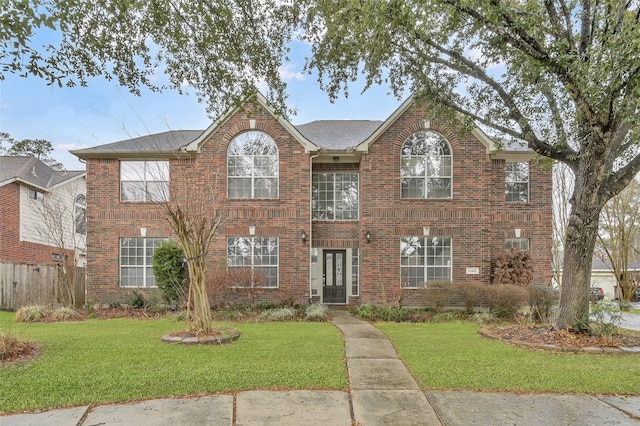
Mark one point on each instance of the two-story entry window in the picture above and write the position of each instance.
(425, 170)
(335, 196)
(252, 166)
(144, 181)
(424, 259)
(517, 182)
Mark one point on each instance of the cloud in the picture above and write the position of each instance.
(69, 146)
(4, 106)
(288, 72)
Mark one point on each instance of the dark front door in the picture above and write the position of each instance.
(333, 273)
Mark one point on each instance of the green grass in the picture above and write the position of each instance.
(98, 361)
(454, 356)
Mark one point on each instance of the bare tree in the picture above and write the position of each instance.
(619, 231)
(62, 224)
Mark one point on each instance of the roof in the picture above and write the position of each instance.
(599, 265)
(34, 172)
(338, 134)
(159, 143)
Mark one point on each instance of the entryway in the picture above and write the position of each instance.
(333, 276)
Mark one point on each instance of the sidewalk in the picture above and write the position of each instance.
(383, 392)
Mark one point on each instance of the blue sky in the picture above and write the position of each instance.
(103, 112)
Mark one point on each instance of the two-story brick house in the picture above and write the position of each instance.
(42, 211)
(340, 212)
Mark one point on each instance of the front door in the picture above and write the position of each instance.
(333, 280)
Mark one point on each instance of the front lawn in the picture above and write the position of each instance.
(101, 361)
(454, 356)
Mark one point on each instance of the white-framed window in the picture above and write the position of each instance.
(335, 196)
(426, 166)
(517, 181)
(517, 243)
(36, 195)
(355, 272)
(136, 261)
(146, 181)
(81, 214)
(424, 259)
(254, 261)
(252, 166)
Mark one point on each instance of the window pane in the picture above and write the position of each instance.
(132, 191)
(335, 196)
(426, 160)
(240, 188)
(258, 255)
(253, 155)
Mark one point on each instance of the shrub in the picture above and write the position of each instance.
(604, 319)
(514, 267)
(64, 314)
(137, 300)
(542, 298)
(12, 348)
(316, 312)
(364, 311)
(506, 300)
(32, 313)
(278, 314)
(440, 294)
(484, 317)
(473, 295)
(170, 272)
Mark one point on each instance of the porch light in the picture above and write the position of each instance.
(303, 235)
(368, 236)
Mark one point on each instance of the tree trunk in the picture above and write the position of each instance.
(582, 231)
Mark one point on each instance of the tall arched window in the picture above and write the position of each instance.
(81, 214)
(426, 170)
(252, 166)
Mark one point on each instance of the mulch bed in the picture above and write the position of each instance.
(546, 337)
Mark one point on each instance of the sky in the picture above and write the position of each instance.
(103, 112)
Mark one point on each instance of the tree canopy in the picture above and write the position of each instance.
(561, 76)
(220, 49)
(39, 148)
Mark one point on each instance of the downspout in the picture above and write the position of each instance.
(311, 157)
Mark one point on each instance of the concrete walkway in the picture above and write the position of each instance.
(382, 392)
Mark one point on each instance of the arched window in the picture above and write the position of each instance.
(425, 170)
(252, 166)
(81, 214)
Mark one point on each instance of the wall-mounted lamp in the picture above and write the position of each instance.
(303, 235)
(367, 236)
(252, 230)
(143, 232)
(517, 232)
(425, 231)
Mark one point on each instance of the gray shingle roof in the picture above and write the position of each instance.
(160, 142)
(338, 134)
(33, 171)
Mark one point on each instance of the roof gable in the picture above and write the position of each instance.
(33, 172)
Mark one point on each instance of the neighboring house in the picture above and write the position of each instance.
(338, 212)
(602, 276)
(41, 211)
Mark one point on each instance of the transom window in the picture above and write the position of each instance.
(424, 259)
(517, 243)
(257, 256)
(252, 166)
(81, 214)
(335, 196)
(136, 261)
(517, 182)
(425, 170)
(144, 181)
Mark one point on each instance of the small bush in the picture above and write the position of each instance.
(604, 319)
(278, 314)
(12, 348)
(365, 312)
(438, 295)
(542, 299)
(137, 300)
(474, 295)
(514, 267)
(64, 314)
(506, 300)
(484, 317)
(32, 313)
(170, 273)
(316, 312)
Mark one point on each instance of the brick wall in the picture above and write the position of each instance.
(476, 217)
(11, 248)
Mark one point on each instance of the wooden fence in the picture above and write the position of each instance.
(24, 284)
